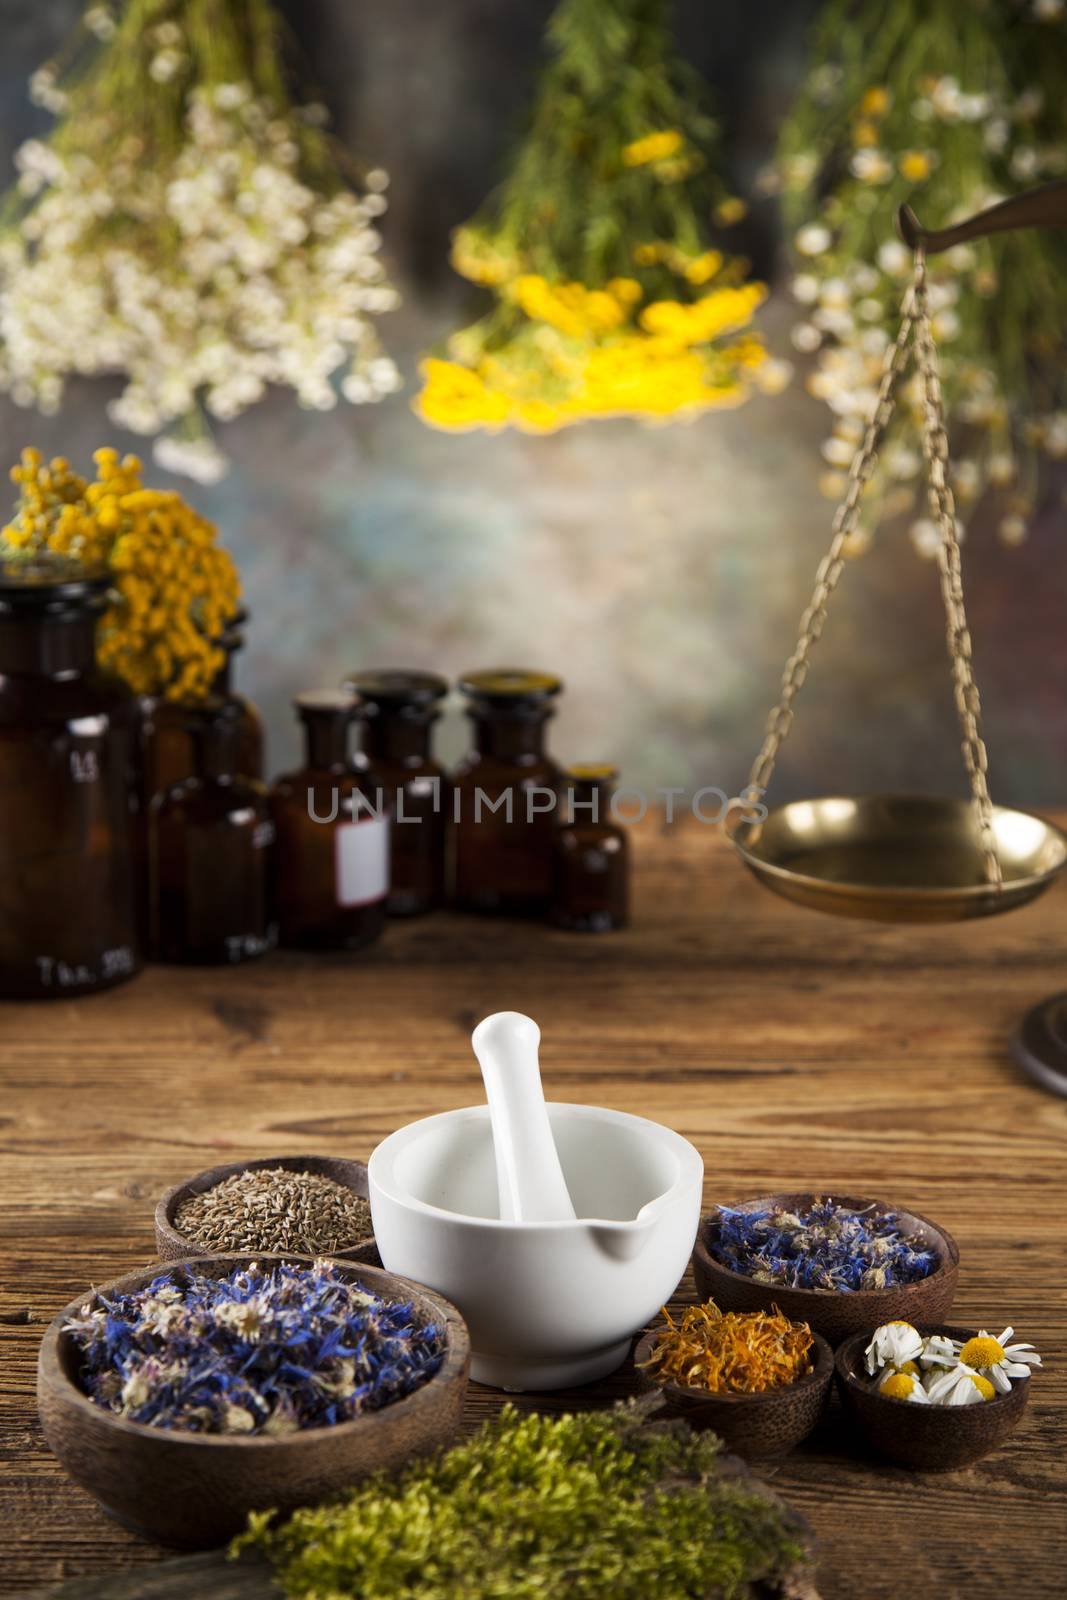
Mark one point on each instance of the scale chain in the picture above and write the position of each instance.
(832, 564)
(943, 510)
(914, 315)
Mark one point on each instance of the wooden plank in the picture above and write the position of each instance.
(187, 1578)
(794, 1051)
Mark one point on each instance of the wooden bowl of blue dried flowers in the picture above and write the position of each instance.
(934, 1398)
(841, 1264)
(314, 1205)
(186, 1398)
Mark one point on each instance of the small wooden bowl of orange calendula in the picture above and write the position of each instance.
(757, 1379)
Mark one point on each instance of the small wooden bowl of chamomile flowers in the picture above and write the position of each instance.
(934, 1398)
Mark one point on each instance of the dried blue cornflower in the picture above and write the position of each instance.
(265, 1350)
(821, 1246)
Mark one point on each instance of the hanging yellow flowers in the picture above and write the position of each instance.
(608, 299)
(175, 588)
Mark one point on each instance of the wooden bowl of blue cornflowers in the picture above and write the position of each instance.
(184, 1398)
(840, 1263)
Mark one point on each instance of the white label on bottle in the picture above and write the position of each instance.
(361, 861)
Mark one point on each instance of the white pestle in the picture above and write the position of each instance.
(529, 1176)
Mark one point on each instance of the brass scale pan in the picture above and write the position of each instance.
(904, 858)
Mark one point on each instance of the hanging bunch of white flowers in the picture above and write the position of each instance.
(893, 123)
(189, 228)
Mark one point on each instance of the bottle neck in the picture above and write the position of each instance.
(397, 738)
(588, 800)
(326, 743)
(222, 684)
(509, 738)
(48, 647)
(215, 754)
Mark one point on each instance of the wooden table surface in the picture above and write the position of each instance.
(795, 1051)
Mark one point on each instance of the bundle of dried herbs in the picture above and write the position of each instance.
(741, 1352)
(822, 1246)
(260, 1351)
(270, 1208)
(603, 1506)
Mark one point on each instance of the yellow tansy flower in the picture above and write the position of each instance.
(653, 147)
(730, 210)
(702, 268)
(875, 102)
(915, 165)
(175, 588)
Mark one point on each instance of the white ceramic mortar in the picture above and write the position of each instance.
(548, 1304)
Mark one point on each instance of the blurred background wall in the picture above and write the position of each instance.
(660, 572)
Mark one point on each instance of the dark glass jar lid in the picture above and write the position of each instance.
(394, 688)
(214, 714)
(510, 684)
(53, 588)
(325, 705)
(592, 772)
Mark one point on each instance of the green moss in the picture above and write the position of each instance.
(596, 1507)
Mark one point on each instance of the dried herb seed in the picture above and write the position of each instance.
(271, 1209)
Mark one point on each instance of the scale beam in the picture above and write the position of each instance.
(1036, 208)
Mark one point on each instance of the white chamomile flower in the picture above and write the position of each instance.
(967, 480)
(1001, 469)
(894, 258)
(806, 337)
(1054, 436)
(892, 1345)
(938, 1351)
(958, 1386)
(773, 375)
(813, 239)
(901, 462)
(903, 1386)
(997, 1360)
(838, 451)
(926, 537)
(871, 166)
(945, 325)
(836, 292)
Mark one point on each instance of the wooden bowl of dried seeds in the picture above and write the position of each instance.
(314, 1205)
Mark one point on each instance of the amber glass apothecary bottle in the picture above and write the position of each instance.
(591, 878)
(397, 712)
(331, 858)
(209, 841)
(69, 794)
(503, 817)
(168, 736)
